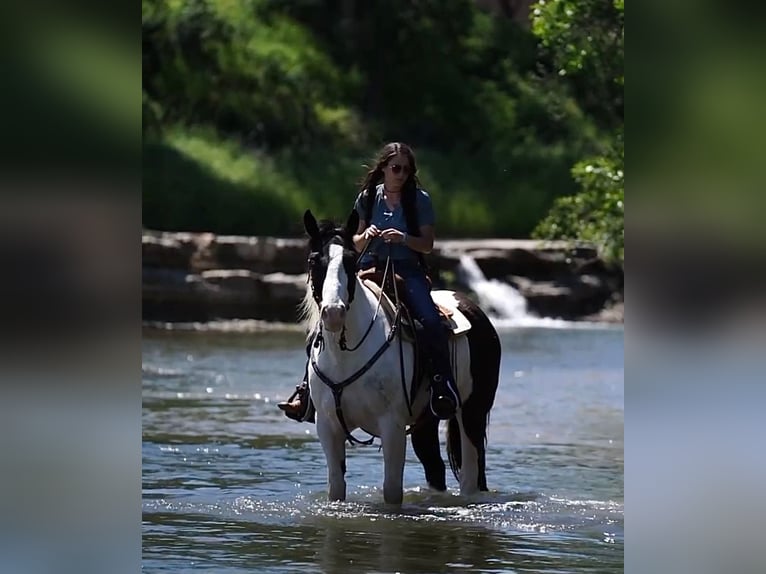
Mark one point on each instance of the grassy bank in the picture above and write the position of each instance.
(195, 180)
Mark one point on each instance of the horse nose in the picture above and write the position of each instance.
(333, 317)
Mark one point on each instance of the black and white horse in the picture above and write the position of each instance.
(360, 373)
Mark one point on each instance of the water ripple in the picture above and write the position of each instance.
(231, 486)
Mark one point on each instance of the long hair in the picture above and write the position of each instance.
(374, 177)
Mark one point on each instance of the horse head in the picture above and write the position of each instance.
(332, 267)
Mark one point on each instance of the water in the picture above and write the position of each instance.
(230, 485)
(503, 302)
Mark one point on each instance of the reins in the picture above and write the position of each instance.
(342, 342)
(399, 306)
(391, 278)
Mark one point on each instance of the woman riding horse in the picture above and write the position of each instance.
(360, 368)
(396, 220)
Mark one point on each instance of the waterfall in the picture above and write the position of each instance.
(504, 305)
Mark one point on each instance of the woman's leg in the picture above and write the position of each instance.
(444, 396)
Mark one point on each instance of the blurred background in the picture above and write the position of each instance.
(254, 110)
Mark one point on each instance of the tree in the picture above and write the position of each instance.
(584, 39)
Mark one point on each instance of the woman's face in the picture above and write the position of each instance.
(396, 172)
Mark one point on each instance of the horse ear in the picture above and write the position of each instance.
(352, 223)
(310, 223)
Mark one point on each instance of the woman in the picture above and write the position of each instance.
(396, 218)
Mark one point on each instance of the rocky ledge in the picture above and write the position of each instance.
(202, 277)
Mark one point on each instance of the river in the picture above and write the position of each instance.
(230, 485)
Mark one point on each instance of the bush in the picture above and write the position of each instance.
(596, 213)
(251, 73)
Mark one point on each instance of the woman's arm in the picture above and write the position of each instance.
(424, 243)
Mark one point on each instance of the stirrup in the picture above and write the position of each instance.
(307, 411)
(445, 404)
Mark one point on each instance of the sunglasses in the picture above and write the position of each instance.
(396, 168)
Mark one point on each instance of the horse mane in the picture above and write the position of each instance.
(308, 310)
(328, 230)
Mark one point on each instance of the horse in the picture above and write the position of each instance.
(359, 364)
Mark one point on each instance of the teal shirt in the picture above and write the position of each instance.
(384, 218)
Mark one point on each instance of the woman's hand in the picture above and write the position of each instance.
(392, 235)
(370, 232)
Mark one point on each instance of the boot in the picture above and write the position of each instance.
(444, 398)
(299, 406)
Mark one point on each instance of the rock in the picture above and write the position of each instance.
(612, 313)
(167, 251)
(204, 257)
(570, 297)
(222, 294)
(175, 300)
(262, 254)
(284, 287)
(498, 258)
(203, 277)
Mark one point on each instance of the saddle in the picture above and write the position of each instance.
(452, 318)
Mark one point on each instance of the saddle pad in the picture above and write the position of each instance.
(444, 300)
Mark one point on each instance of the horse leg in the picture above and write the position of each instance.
(474, 418)
(425, 443)
(334, 446)
(394, 442)
(472, 455)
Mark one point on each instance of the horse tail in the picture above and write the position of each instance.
(454, 453)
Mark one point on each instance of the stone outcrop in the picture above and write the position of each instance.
(556, 279)
(202, 277)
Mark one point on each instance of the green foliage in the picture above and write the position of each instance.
(209, 183)
(256, 109)
(252, 74)
(595, 214)
(585, 39)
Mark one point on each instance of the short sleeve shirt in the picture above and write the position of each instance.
(385, 218)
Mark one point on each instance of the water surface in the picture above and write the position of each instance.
(230, 485)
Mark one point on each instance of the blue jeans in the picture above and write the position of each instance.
(422, 308)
